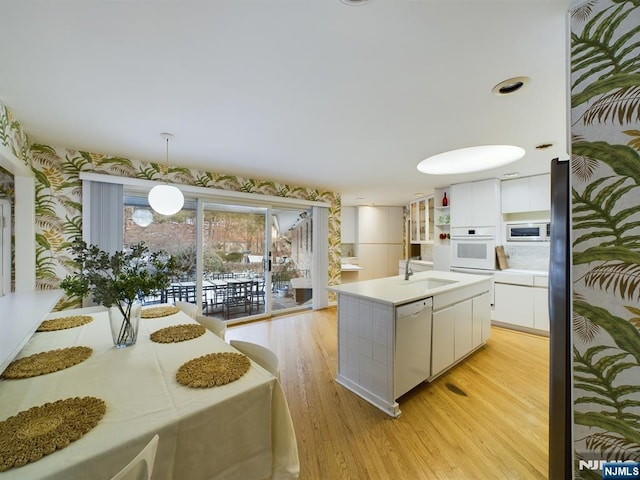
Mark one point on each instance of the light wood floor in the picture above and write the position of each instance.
(497, 431)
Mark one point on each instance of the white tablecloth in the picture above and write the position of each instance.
(241, 430)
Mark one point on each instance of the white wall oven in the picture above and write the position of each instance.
(473, 248)
(473, 252)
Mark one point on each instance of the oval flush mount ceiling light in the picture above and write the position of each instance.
(166, 199)
(471, 159)
(354, 2)
(510, 85)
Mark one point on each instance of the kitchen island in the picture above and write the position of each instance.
(393, 333)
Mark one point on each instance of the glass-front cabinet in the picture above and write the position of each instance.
(421, 220)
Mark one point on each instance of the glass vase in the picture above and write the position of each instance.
(124, 320)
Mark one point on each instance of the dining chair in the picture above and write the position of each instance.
(214, 296)
(214, 325)
(190, 309)
(238, 296)
(258, 294)
(262, 355)
(141, 467)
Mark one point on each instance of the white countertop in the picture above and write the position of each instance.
(350, 267)
(396, 291)
(522, 271)
(20, 314)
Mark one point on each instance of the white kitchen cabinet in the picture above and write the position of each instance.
(541, 308)
(514, 305)
(348, 225)
(521, 299)
(481, 319)
(528, 194)
(463, 330)
(421, 220)
(476, 204)
(541, 302)
(453, 329)
(378, 260)
(443, 328)
(379, 224)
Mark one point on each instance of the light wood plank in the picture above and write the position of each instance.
(498, 430)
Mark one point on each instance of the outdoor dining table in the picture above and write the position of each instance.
(241, 430)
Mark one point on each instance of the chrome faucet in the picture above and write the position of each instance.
(407, 271)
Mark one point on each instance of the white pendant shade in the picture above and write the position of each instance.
(471, 159)
(166, 199)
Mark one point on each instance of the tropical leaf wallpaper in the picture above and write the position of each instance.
(7, 190)
(605, 117)
(12, 137)
(58, 196)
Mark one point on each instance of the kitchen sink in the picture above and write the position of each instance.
(427, 282)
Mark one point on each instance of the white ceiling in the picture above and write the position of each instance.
(308, 92)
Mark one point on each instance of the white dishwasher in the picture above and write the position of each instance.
(412, 359)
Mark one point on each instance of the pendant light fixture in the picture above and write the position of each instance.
(166, 199)
(142, 217)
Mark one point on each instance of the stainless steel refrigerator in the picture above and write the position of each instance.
(560, 343)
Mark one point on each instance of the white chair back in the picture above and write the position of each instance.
(141, 467)
(214, 325)
(190, 309)
(264, 357)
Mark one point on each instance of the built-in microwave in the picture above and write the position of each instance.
(528, 232)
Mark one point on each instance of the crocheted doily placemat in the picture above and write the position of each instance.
(157, 312)
(39, 431)
(213, 370)
(178, 333)
(64, 323)
(46, 362)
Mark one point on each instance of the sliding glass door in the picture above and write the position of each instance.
(267, 248)
(235, 260)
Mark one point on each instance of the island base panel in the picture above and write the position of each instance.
(391, 409)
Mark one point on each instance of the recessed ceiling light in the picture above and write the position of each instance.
(511, 174)
(354, 2)
(418, 194)
(510, 85)
(471, 159)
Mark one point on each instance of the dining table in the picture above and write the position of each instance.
(239, 430)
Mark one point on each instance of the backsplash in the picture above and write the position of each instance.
(426, 251)
(528, 257)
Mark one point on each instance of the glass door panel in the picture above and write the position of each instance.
(234, 259)
(292, 253)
